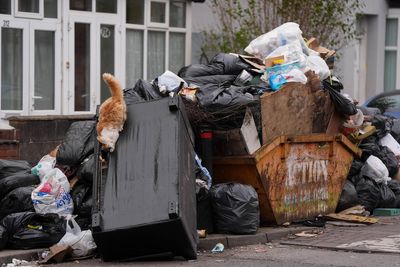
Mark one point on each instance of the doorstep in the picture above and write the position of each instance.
(263, 235)
(7, 255)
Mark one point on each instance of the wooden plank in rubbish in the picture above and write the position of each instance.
(351, 218)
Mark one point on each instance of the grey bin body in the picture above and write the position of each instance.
(146, 203)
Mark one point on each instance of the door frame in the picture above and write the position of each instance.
(95, 21)
(57, 65)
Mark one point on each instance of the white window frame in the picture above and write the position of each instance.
(395, 14)
(24, 25)
(30, 15)
(148, 13)
(95, 20)
(148, 26)
(56, 28)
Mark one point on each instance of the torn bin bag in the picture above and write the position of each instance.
(18, 180)
(78, 143)
(235, 208)
(11, 167)
(18, 200)
(29, 230)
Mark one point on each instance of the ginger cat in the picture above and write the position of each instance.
(112, 114)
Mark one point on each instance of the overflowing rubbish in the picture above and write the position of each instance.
(244, 141)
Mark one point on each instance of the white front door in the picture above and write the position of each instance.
(45, 69)
(93, 42)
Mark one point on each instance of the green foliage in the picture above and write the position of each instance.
(332, 22)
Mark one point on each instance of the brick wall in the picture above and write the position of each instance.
(36, 136)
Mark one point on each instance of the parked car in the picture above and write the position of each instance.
(387, 102)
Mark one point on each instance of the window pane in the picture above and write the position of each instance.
(82, 5)
(107, 6)
(177, 14)
(134, 57)
(390, 70)
(157, 12)
(106, 57)
(82, 67)
(176, 51)
(391, 32)
(11, 76)
(5, 6)
(156, 54)
(44, 70)
(135, 11)
(28, 6)
(50, 8)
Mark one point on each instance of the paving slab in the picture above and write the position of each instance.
(383, 236)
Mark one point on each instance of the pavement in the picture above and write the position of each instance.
(382, 237)
(263, 235)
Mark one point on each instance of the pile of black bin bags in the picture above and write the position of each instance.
(361, 188)
(20, 226)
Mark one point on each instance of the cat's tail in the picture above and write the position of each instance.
(114, 85)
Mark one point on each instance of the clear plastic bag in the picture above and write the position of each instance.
(170, 82)
(52, 195)
(45, 165)
(287, 33)
(81, 242)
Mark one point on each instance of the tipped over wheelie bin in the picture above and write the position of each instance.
(296, 177)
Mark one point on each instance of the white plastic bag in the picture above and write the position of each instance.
(291, 52)
(81, 242)
(375, 169)
(391, 143)
(319, 66)
(52, 195)
(45, 165)
(169, 81)
(287, 33)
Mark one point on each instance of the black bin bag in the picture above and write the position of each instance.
(15, 181)
(78, 143)
(3, 237)
(28, 230)
(348, 197)
(11, 167)
(18, 200)
(235, 208)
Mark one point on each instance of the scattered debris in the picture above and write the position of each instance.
(218, 248)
